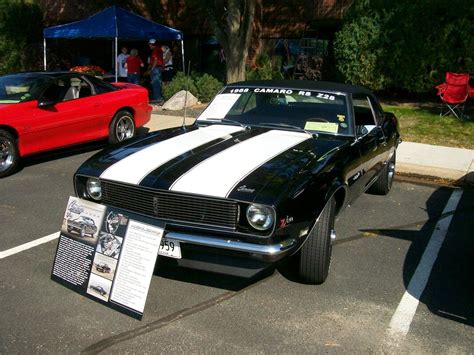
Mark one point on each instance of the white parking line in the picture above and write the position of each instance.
(403, 316)
(29, 245)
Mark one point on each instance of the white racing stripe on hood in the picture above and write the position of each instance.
(136, 166)
(218, 175)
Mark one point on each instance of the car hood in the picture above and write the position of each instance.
(222, 161)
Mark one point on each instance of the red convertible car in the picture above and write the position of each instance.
(41, 111)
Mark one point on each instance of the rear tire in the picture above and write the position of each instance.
(315, 255)
(9, 155)
(383, 184)
(122, 127)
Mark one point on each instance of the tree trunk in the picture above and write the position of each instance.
(232, 21)
(236, 59)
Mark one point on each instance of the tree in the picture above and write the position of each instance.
(405, 45)
(232, 22)
(20, 35)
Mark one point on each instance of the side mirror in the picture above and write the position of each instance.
(44, 103)
(361, 131)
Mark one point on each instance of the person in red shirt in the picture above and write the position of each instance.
(156, 67)
(133, 65)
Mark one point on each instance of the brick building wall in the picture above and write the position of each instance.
(274, 19)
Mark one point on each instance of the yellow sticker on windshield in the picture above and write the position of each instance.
(321, 126)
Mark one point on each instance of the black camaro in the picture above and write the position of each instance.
(260, 176)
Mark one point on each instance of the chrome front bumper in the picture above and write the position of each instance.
(272, 251)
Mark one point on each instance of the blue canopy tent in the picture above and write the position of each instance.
(113, 23)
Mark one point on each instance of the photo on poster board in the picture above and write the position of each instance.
(82, 220)
(99, 287)
(104, 266)
(109, 245)
(115, 223)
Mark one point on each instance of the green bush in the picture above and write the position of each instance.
(207, 87)
(20, 36)
(180, 82)
(203, 86)
(405, 45)
(264, 70)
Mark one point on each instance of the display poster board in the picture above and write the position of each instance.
(107, 254)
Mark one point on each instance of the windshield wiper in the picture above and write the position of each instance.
(215, 120)
(269, 124)
(236, 122)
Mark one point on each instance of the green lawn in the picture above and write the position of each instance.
(423, 124)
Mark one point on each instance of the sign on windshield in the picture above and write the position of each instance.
(306, 109)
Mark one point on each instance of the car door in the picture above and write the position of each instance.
(370, 138)
(68, 113)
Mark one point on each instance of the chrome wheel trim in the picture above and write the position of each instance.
(6, 154)
(391, 173)
(124, 128)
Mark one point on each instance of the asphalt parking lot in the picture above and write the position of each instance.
(400, 281)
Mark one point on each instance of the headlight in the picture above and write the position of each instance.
(94, 189)
(260, 217)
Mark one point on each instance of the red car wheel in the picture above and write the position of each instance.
(122, 127)
(9, 155)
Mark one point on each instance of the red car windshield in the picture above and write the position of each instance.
(21, 88)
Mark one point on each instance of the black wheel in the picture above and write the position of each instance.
(122, 127)
(384, 183)
(315, 255)
(9, 155)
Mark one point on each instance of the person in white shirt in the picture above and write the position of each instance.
(121, 59)
(168, 64)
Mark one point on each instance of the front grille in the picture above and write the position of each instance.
(170, 206)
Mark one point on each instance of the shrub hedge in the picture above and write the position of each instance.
(203, 86)
(405, 45)
(20, 36)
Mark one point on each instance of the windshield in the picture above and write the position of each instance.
(21, 88)
(310, 110)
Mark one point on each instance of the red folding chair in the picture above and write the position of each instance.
(454, 93)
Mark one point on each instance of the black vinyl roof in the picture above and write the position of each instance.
(303, 85)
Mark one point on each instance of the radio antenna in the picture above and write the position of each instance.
(186, 95)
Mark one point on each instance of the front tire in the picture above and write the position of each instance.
(383, 184)
(315, 255)
(122, 127)
(9, 155)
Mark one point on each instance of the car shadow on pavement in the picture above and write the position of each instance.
(70, 151)
(62, 153)
(449, 290)
(169, 269)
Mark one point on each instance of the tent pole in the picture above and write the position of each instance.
(116, 60)
(182, 55)
(44, 53)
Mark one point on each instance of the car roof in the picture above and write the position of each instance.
(52, 74)
(304, 84)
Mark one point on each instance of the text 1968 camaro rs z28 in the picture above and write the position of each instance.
(260, 176)
(41, 111)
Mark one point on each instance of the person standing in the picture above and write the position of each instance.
(121, 59)
(133, 65)
(156, 68)
(168, 64)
